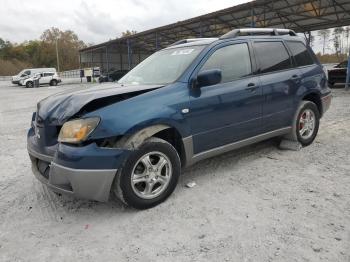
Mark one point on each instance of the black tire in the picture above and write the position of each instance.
(53, 83)
(123, 186)
(305, 106)
(29, 84)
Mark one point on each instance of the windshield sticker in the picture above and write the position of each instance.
(182, 52)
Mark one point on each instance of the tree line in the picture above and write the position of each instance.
(42, 52)
(336, 39)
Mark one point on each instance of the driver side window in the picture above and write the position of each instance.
(25, 73)
(233, 61)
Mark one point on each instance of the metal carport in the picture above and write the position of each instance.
(300, 15)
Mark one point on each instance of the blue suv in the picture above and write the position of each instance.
(192, 100)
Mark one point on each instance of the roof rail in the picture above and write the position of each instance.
(190, 40)
(258, 31)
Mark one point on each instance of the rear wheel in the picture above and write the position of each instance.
(149, 175)
(53, 83)
(29, 84)
(305, 124)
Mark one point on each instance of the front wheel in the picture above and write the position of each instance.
(149, 175)
(29, 84)
(305, 124)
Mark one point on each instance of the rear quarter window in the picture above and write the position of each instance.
(300, 53)
(272, 56)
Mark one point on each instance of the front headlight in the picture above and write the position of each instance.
(76, 131)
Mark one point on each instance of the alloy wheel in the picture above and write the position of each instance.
(307, 123)
(151, 175)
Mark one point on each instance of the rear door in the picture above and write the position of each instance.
(280, 82)
(231, 110)
(312, 74)
(46, 78)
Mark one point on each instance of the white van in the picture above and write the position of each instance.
(26, 73)
(50, 78)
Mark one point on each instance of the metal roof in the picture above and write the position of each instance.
(298, 15)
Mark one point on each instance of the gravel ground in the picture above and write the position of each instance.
(254, 204)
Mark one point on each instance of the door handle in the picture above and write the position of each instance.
(252, 87)
(295, 77)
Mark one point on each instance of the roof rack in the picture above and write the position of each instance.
(190, 40)
(258, 31)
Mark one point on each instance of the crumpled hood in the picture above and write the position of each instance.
(56, 109)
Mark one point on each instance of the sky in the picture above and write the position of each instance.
(97, 21)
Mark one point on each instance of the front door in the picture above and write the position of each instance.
(231, 110)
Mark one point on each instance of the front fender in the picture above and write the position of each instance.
(160, 107)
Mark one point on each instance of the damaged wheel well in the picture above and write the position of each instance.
(172, 136)
(167, 133)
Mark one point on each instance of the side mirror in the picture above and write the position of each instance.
(208, 78)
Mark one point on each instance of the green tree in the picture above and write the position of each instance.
(324, 34)
(337, 40)
(68, 45)
(41, 53)
(129, 33)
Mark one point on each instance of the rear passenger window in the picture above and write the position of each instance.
(272, 56)
(300, 53)
(232, 60)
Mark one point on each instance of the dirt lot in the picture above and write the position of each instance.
(255, 204)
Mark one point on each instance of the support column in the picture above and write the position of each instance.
(81, 79)
(252, 18)
(107, 62)
(129, 53)
(347, 87)
(79, 60)
(157, 42)
(121, 57)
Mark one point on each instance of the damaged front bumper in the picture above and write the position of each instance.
(83, 172)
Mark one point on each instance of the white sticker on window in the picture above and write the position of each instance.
(182, 52)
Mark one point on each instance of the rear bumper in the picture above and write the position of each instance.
(83, 172)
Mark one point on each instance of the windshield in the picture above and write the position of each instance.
(163, 67)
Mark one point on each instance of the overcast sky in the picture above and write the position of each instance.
(96, 21)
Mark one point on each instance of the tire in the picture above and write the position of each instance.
(305, 124)
(29, 84)
(53, 83)
(154, 186)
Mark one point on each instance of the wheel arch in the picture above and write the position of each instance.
(314, 97)
(163, 131)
